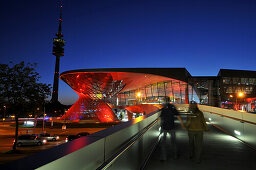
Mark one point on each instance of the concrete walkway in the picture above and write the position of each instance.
(221, 152)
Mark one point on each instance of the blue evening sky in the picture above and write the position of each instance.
(200, 35)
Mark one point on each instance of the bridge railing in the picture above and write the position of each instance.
(242, 125)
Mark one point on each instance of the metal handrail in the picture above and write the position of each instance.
(129, 144)
(237, 119)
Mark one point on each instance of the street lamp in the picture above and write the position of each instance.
(240, 94)
(4, 113)
(43, 118)
(138, 95)
(231, 96)
(64, 127)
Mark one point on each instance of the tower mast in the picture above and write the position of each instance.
(58, 51)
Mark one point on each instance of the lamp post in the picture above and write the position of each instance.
(240, 94)
(35, 119)
(139, 100)
(64, 127)
(4, 114)
(139, 96)
(43, 118)
(231, 96)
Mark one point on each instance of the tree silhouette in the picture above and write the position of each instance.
(20, 89)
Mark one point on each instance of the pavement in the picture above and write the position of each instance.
(220, 152)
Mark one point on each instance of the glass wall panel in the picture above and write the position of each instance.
(226, 80)
(158, 93)
(235, 80)
(243, 80)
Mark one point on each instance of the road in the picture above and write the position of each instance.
(7, 132)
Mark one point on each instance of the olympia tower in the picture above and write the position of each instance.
(58, 51)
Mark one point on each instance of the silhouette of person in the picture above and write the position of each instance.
(168, 126)
(195, 125)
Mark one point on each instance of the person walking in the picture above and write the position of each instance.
(168, 126)
(195, 125)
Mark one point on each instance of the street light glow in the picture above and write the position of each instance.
(138, 94)
(240, 94)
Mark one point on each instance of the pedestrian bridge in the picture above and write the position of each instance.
(230, 144)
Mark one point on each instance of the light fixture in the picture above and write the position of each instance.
(237, 132)
(240, 94)
(139, 94)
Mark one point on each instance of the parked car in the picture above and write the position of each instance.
(30, 139)
(72, 137)
(83, 134)
(48, 136)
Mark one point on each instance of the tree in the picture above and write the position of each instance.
(19, 88)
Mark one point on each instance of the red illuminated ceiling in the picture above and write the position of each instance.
(79, 81)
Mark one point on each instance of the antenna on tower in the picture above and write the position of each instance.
(59, 34)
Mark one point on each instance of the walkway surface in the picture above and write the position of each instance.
(221, 152)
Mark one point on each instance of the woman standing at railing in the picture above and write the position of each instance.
(195, 125)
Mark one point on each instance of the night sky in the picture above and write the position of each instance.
(200, 35)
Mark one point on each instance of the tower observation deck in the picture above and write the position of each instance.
(58, 51)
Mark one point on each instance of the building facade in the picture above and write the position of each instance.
(142, 90)
(237, 89)
(230, 89)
